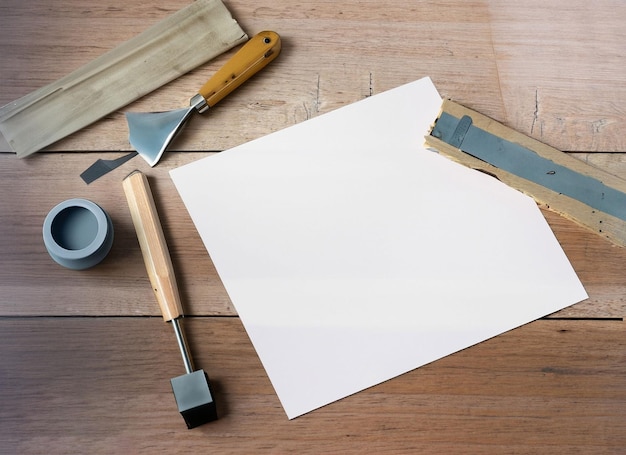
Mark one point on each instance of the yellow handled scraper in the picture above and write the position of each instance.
(150, 133)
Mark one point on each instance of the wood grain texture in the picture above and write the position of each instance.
(559, 67)
(553, 71)
(101, 385)
(85, 357)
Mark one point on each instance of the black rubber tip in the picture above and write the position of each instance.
(194, 399)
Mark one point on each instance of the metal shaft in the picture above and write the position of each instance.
(182, 344)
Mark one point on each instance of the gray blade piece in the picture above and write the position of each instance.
(151, 132)
(102, 167)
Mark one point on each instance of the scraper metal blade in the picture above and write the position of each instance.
(152, 132)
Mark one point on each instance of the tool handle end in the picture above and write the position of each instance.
(249, 60)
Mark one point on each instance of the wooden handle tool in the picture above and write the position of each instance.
(191, 390)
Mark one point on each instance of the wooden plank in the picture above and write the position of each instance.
(599, 265)
(481, 54)
(33, 284)
(94, 385)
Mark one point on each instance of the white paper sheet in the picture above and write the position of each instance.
(353, 255)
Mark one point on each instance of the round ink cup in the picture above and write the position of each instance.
(78, 234)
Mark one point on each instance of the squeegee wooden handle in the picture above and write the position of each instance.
(154, 249)
(250, 59)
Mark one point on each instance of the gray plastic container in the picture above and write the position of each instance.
(78, 234)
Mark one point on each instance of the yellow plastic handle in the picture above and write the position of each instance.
(156, 256)
(251, 58)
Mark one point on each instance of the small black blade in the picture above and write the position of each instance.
(102, 167)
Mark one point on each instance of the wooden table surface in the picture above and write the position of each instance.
(85, 358)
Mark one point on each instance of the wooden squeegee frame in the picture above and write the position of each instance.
(606, 225)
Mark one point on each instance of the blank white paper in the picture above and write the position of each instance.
(353, 255)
